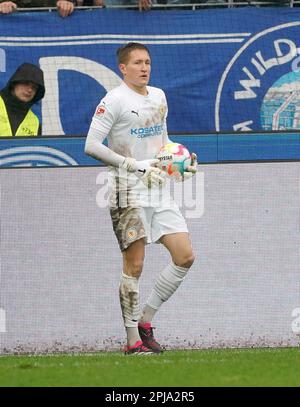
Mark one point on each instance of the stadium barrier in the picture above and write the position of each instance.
(210, 148)
(60, 264)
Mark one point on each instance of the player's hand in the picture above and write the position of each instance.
(132, 165)
(150, 175)
(7, 7)
(190, 170)
(153, 177)
(64, 8)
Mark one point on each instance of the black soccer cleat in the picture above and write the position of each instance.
(146, 334)
(138, 349)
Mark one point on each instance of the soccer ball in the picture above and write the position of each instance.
(173, 158)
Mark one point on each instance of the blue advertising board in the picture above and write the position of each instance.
(210, 148)
(221, 69)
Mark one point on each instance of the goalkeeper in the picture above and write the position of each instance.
(133, 118)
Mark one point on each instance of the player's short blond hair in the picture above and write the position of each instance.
(124, 51)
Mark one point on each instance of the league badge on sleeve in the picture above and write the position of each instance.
(100, 110)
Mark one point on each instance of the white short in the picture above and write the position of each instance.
(132, 224)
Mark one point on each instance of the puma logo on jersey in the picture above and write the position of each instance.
(137, 113)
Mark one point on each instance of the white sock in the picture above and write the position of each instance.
(130, 305)
(148, 312)
(166, 284)
(132, 336)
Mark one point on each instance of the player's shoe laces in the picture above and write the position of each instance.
(138, 349)
(146, 334)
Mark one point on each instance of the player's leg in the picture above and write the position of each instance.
(129, 229)
(180, 249)
(133, 258)
(166, 284)
(170, 229)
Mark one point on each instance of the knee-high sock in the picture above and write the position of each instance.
(130, 305)
(166, 284)
(129, 300)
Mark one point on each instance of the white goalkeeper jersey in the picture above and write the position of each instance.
(135, 126)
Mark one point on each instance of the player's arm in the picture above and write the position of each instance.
(106, 114)
(145, 170)
(94, 147)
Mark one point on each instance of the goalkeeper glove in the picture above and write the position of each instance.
(190, 170)
(150, 175)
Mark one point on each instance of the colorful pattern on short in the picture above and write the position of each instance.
(128, 225)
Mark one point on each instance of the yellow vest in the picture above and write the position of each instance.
(28, 127)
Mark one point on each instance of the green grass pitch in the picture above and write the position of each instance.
(174, 368)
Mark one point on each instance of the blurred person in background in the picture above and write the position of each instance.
(64, 7)
(24, 89)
